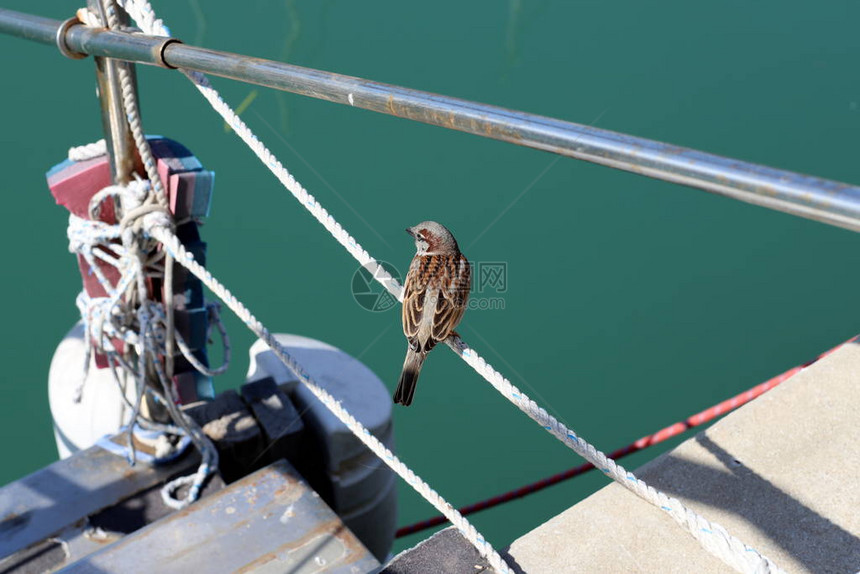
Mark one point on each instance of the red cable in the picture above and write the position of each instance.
(673, 430)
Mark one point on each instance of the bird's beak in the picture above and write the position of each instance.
(410, 231)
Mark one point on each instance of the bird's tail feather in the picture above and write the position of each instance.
(409, 377)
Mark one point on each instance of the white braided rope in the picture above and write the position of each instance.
(132, 112)
(88, 151)
(711, 536)
(171, 244)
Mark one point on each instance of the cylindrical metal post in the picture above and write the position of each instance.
(124, 159)
(120, 143)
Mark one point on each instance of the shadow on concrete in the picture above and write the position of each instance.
(812, 539)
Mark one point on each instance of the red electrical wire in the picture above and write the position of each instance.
(673, 430)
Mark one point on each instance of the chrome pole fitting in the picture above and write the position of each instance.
(62, 46)
(159, 52)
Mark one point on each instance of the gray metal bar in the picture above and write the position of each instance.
(27, 26)
(811, 197)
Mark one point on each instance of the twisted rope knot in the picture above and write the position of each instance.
(145, 218)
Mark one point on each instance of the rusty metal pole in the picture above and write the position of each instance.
(120, 144)
(122, 153)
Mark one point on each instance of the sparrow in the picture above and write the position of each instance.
(434, 299)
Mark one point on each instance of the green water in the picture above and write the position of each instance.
(630, 303)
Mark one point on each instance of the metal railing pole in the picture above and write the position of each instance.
(805, 196)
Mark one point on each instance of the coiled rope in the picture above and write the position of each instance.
(126, 314)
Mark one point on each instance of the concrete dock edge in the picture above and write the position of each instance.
(781, 474)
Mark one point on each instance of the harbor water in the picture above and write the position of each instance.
(619, 303)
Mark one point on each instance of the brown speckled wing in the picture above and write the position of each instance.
(413, 301)
(453, 295)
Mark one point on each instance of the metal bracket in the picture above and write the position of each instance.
(61, 39)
